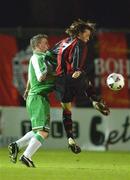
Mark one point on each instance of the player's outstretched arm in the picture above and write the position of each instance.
(26, 90)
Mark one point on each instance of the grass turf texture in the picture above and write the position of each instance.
(64, 165)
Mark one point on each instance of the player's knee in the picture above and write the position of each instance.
(66, 106)
(44, 134)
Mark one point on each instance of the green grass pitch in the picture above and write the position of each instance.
(64, 165)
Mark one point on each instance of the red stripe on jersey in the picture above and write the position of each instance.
(71, 56)
(59, 58)
(82, 62)
(68, 57)
(71, 49)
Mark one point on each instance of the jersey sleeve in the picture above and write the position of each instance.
(79, 57)
(39, 66)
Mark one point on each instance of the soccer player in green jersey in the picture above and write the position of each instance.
(40, 84)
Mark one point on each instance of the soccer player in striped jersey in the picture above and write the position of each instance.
(71, 70)
(40, 84)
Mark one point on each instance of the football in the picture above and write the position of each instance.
(115, 81)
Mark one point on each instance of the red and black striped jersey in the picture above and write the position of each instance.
(71, 55)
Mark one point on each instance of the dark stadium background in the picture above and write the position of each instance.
(59, 13)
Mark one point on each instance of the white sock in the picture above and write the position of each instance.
(22, 142)
(71, 141)
(33, 146)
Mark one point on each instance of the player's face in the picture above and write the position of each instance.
(43, 45)
(85, 36)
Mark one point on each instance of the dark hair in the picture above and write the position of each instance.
(80, 26)
(35, 40)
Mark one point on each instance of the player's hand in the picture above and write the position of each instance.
(43, 77)
(25, 95)
(76, 74)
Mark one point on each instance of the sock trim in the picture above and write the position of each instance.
(39, 138)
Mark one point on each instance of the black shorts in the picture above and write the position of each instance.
(67, 87)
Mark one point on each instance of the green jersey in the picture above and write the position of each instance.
(38, 67)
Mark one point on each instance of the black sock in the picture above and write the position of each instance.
(67, 121)
(91, 93)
